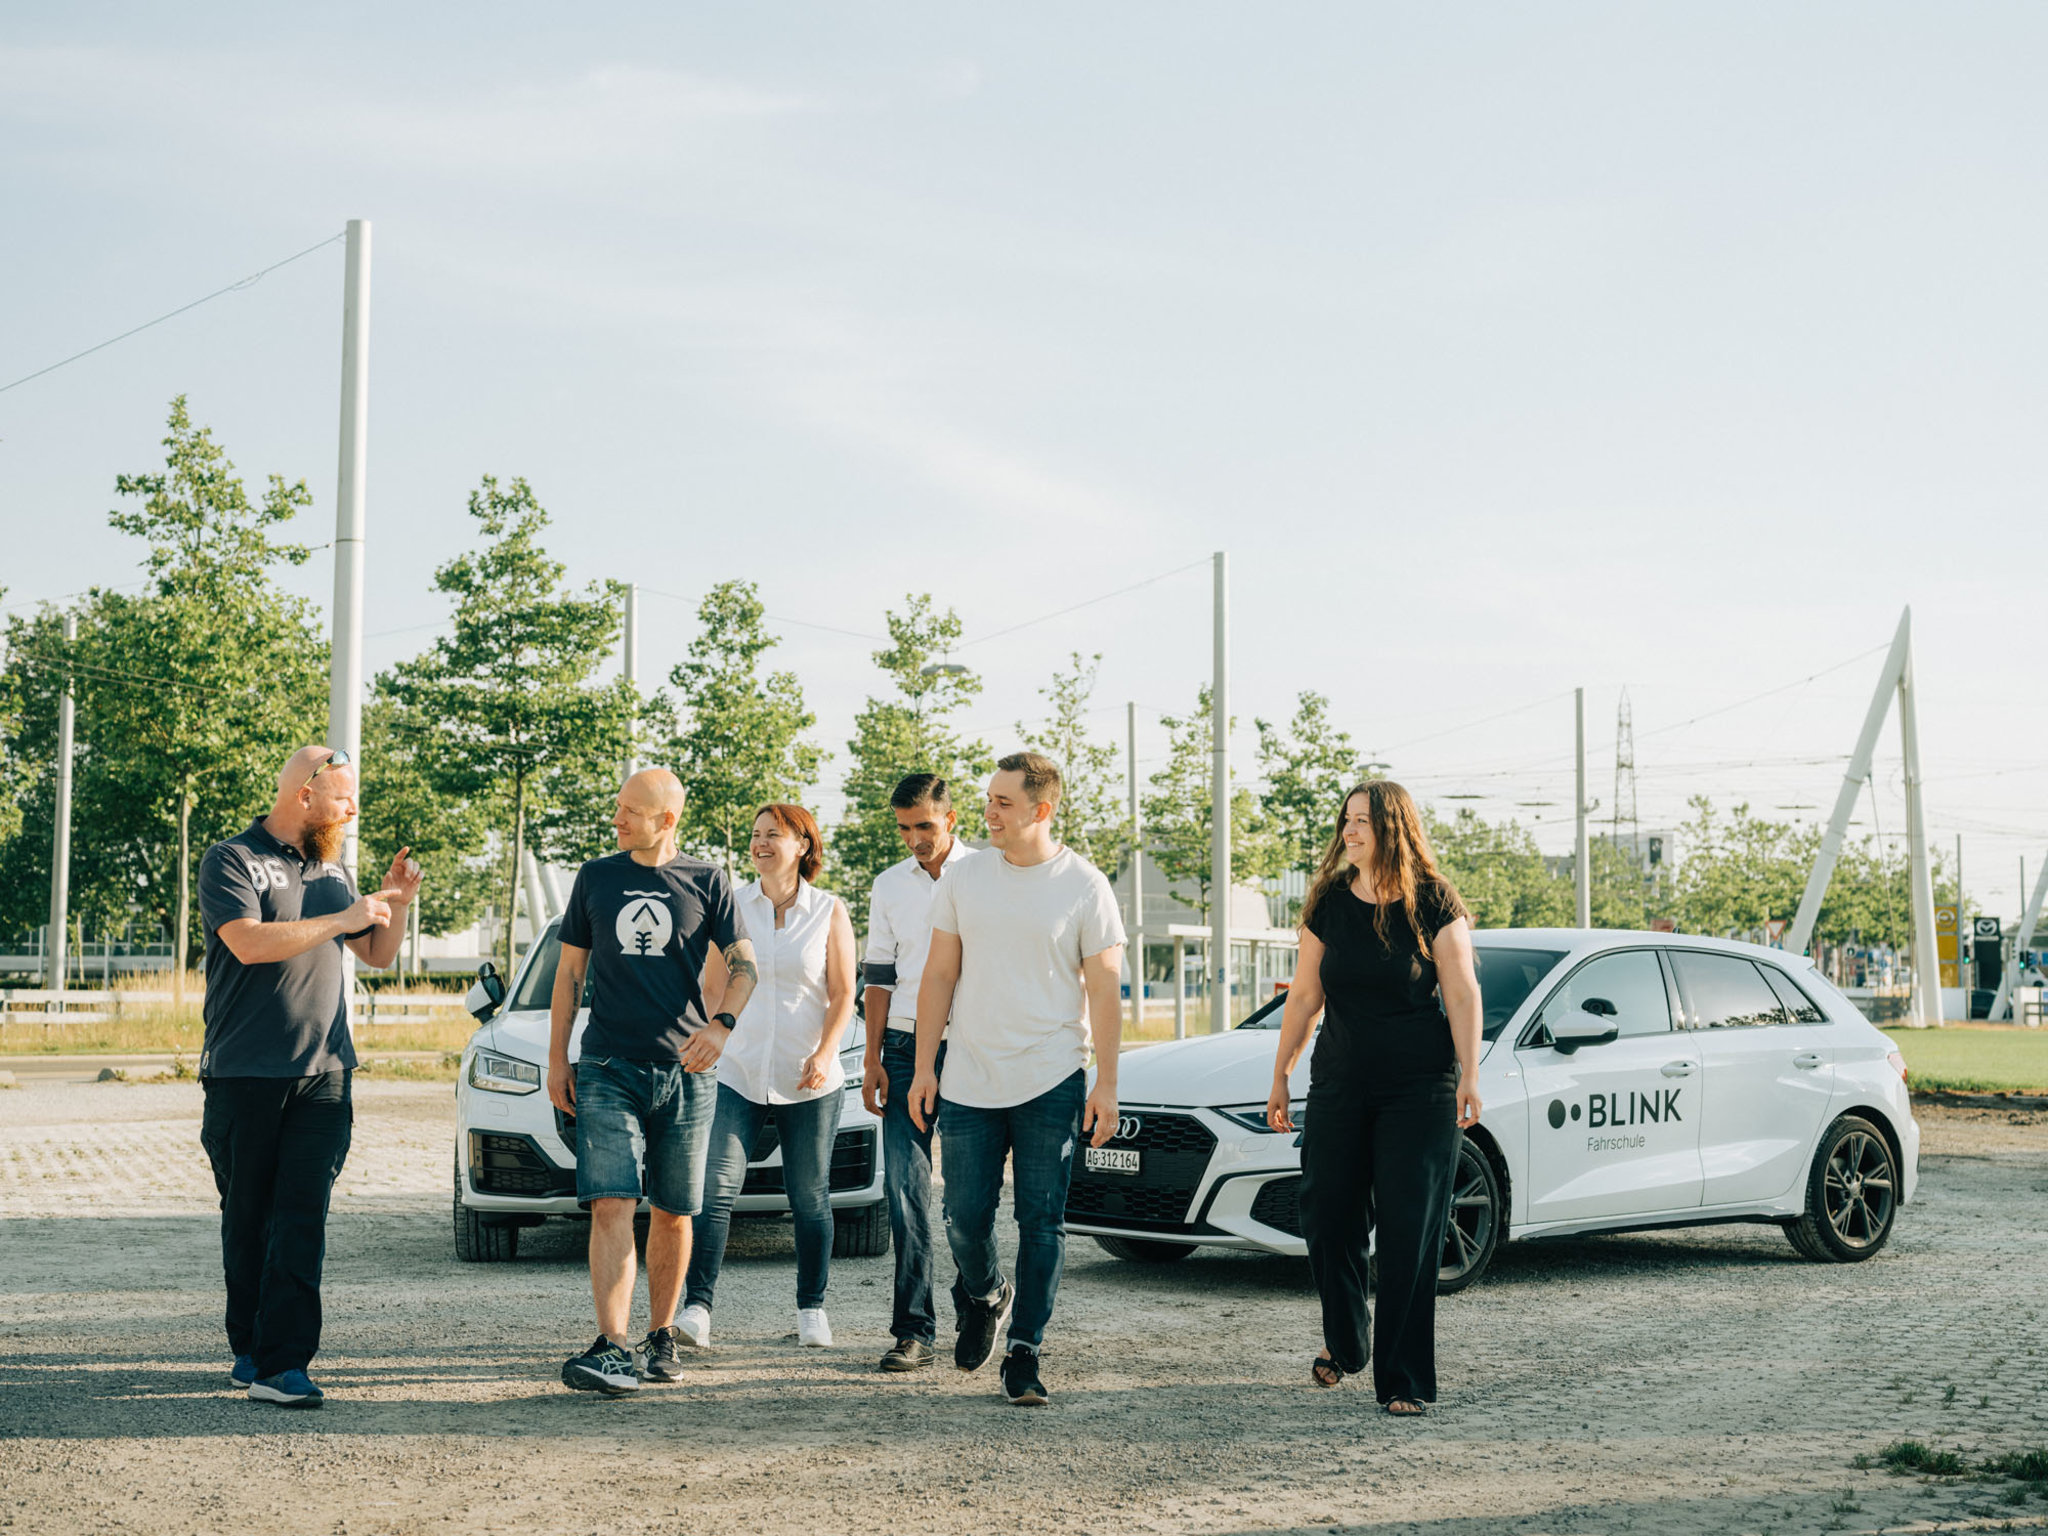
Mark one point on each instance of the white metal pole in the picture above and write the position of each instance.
(345, 674)
(1135, 948)
(1219, 809)
(60, 850)
(631, 661)
(2029, 920)
(1926, 957)
(1582, 864)
(1180, 988)
(1800, 934)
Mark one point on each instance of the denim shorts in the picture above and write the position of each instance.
(642, 1115)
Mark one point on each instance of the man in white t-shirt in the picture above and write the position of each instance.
(899, 934)
(1025, 960)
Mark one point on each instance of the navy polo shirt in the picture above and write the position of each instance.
(288, 1018)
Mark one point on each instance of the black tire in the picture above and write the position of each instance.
(1472, 1229)
(1852, 1194)
(861, 1233)
(1145, 1250)
(1802, 1244)
(478, 1241)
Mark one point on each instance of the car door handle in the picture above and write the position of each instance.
(1677, 1069)
(1807, 1060)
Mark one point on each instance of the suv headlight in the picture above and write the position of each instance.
(502, 1074)
(1253, 1116)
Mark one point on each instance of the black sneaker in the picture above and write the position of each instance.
(657, 1356)
(1020, 1378)
(604, 1367)
(908, 1355)
(980, 1323)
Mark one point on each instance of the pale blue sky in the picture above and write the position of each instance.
(1506, 348)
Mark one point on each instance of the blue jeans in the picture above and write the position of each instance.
(1040, 1136)
(907, 1180)
(807, 1130)
(635, 1115)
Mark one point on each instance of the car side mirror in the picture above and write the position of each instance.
(486, 994)
(1600, 1006)
(1576, 1029)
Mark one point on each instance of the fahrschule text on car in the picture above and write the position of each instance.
(515, 1153)
(1630, 1080)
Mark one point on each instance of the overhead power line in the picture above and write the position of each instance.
(235, 287)
(1084, 603)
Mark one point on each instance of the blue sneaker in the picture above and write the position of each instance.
(287, 1389)
(243, 1372)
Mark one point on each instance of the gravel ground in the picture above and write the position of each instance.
(1703, 1381)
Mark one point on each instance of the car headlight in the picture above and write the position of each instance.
(502, 1074)
(1253, 1116)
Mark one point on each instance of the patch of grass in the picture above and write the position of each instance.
(2016, 1494)
(1860, 1462)
(1948, 1396)
(158, 1027)
(1904, 1456)
(1846, 1504)
(1975, 1058)
(2027, 1466)
(442, 1071)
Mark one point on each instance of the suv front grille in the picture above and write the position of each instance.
(512, 1165)
(1173, 1154)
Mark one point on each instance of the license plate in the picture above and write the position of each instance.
(1112, 1160)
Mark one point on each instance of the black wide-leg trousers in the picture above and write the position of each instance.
(276, 1144)
(1385, 1153)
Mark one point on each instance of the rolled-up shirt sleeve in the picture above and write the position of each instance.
(879, 964)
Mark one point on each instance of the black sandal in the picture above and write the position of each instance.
(1409, 1407)
(1325, 1372)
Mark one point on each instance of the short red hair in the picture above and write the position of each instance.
(798, 822)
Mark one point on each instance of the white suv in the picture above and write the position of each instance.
(1629, 1080)
(515, 1153)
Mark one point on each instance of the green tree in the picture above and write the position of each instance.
(504, 713)
(1499, 872)
(189, 695)
(401, 808)
(1092, 820)
(910, 729)
(1307, 769)
(1739, 871)
(1179, 812)
(740, 738)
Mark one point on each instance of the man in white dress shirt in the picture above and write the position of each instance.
(899, 933)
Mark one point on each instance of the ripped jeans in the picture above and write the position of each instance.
(1042, 1137)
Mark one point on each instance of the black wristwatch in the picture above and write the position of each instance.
(724, 1018)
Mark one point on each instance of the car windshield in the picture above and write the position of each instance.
(537, 985)
(1506, 977)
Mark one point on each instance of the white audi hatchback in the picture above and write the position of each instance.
(515, 1153)
(1630, 1080)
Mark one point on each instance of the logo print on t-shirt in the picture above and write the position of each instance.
(644, 924)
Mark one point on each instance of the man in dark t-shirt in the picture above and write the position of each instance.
(643, 923)
(276, 1061)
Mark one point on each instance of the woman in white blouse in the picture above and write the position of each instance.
(782, 1060)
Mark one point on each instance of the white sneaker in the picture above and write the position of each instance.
(695, 1325)
(812, 1331)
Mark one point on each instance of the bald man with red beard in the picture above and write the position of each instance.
(277, 1057)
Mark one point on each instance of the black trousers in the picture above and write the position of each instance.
(1385, 1153)
(276, 1144)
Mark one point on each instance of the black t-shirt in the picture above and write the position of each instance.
(286, 1018)
(1381, 1017)
(648, 931)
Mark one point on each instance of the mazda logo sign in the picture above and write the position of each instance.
(1127, 1128)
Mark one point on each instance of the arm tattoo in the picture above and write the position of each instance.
(739, 960)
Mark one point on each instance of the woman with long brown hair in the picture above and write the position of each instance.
(1392, 1085)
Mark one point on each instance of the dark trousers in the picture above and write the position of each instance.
(807, 1130)
(1038, 1137)
(907, 1181)
(276, 1145)
(1381, 1153)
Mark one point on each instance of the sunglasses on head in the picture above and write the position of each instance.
(335, 759)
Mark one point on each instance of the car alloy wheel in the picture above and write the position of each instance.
(1851, 1194)
(1472, 1230)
